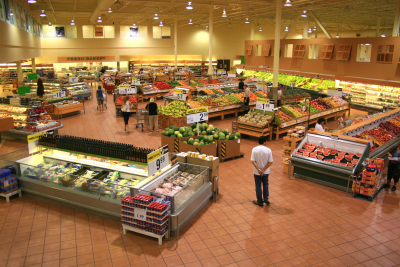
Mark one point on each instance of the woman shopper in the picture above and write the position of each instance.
(40, 88)
(153, 116)
(126, 112)
(246, 100)
(393, 169)
(100, 98)
(319, 127)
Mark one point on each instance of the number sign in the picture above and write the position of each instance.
(264, 104)
(157, 160)
(127, 89)
(180, 94)
(140, 214)
(59, 94)
(196, 115)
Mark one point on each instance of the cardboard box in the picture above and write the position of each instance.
(182, 159)
(173, 143)
(228, 148)
(194, 161)
(209, 150)
(367, 181)
(369, 175)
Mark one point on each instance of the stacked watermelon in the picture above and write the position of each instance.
(329, 155)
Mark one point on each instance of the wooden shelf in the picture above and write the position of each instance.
(343, 52)
(249, 50)
(385, 54)
(299, 51)
(266, 48)
(327, 51)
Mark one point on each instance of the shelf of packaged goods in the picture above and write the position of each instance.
(31, 122)
(16, 114)
(20, 106)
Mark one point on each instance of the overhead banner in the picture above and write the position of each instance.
(85, 58)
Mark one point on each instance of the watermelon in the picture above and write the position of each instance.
(299, 153)
(181, 130)
(351, 153)
(301, 149)
(237, 135)
(321, 157)
(343, 164)
(328, 149)
(231, 137)
(343, 151)
(313, 156)
(328, 160)
(350, 165)
(358, 155)
(306, 154)
(333, 152)
(354, 161)
(340, 157)
(321, 147)
(348, 157)
(326, 153)
(307, 144)
(320, 152)
(335, 161)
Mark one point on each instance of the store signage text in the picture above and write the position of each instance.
(73, 59)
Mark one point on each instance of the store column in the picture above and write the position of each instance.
(252, 32)
(210, 45)
(33, 60)
(396, 20)
(277, 49)
(176, 41)
(20, 78)
(305, 28)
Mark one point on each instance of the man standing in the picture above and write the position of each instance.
(261, 157)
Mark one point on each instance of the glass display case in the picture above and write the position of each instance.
(78, 89)
(328, 160)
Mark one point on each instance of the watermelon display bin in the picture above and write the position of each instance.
(330, 161)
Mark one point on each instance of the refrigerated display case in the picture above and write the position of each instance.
(332, 168)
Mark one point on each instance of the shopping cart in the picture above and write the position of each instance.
(104, 101)
(142, 117)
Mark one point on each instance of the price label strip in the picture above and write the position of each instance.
(180, 94)
(196, 115)
(264, 104)
(157, 160)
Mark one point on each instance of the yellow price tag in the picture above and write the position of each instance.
(155, 155)
(196, 110)
(178, 91)
(56, 90)
(34, 137)
(262, 100)
(125, 86)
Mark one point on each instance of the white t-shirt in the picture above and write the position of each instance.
(279, 94)
(318, 127)
(262, 155)
(128, 106)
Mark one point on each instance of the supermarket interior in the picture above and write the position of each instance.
(175, 133)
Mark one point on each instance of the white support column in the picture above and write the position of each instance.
(320, 24)
(316, 32)
(293, 25)
(396, 20)
(20, 77)
(176, 41)
(305, 28)
(277, 44)
(210, 41)
(33, 65)
(252, 31)
(378, 25)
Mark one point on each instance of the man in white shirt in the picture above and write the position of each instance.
(261, 157)
(318, 126)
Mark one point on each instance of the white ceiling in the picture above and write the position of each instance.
(359, 15)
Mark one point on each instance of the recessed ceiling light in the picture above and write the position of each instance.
(315, 28)
(189, 6)
(286, 29)
(99, 19)
(247, 20)
(224, 14)
(309, 30)
(72, 22)
(110, 10)
(31, 1)
(288, 3)
(156, 16)
(161, 24)
(50, 24)
(190, 21)
(42, 14)
(304, 15)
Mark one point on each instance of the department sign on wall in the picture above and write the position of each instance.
(80, 59)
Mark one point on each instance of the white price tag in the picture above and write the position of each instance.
(298, 121)
(73, 80)
(211, 109)
(371, 143)
(216, 109)
(180, 94)
(196, 115)
(157, 160)
(284, 124)
(231, 106)
(265, 104)
(140, 214)
(59, 94)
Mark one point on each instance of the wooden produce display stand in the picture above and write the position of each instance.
(221, 111)
(254, 130)
(227, 149)
(284, 127)
(67, 110)
(289, 147)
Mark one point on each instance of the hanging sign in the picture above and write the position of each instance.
(127, 89)
(197, 115)
(180, 94)
(73, 80)
(157, 160)
(265, 104)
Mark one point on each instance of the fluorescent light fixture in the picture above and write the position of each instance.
(156, 16)
(99, 19)
(286, 29)
(304, 15)
(160, 25)
(42, 14)
(224, 14)
(31, 1)
(134, 26)
(247, 20)
(260, 30)
(309, 30)
(383, 35)
(110, 10)
(337, 35)
(190, 21)
(72, 22)
(189, 6)
(315, 28)
(288, 3)
(50, 25)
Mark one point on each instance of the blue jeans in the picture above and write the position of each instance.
(264, 191)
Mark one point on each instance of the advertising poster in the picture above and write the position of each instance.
(134, 32)
(2, 11)
(20, 17)
(60, 31)
(8, 8)
(98, 31)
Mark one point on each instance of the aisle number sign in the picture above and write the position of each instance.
(127, 89)
(180, 94)
(157, 160)
(197, 115)
(264, 104)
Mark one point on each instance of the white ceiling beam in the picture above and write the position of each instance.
(292, 26)
(320, 24)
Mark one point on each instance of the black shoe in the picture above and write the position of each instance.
(386, 186)
(393, 188)
(259, 204)
(267, 202)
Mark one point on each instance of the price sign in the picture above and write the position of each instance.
(73, 80)
(59, 94)
(196, 115)
(140, 214)
(180, 94)
(127, 89)
(260, 85)
(157, 160)
(231, 74)
(264, 104)
(135, 81)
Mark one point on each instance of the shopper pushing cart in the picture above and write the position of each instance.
(101, 99)
(142, 117)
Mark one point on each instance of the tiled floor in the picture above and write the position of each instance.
(306, 224)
